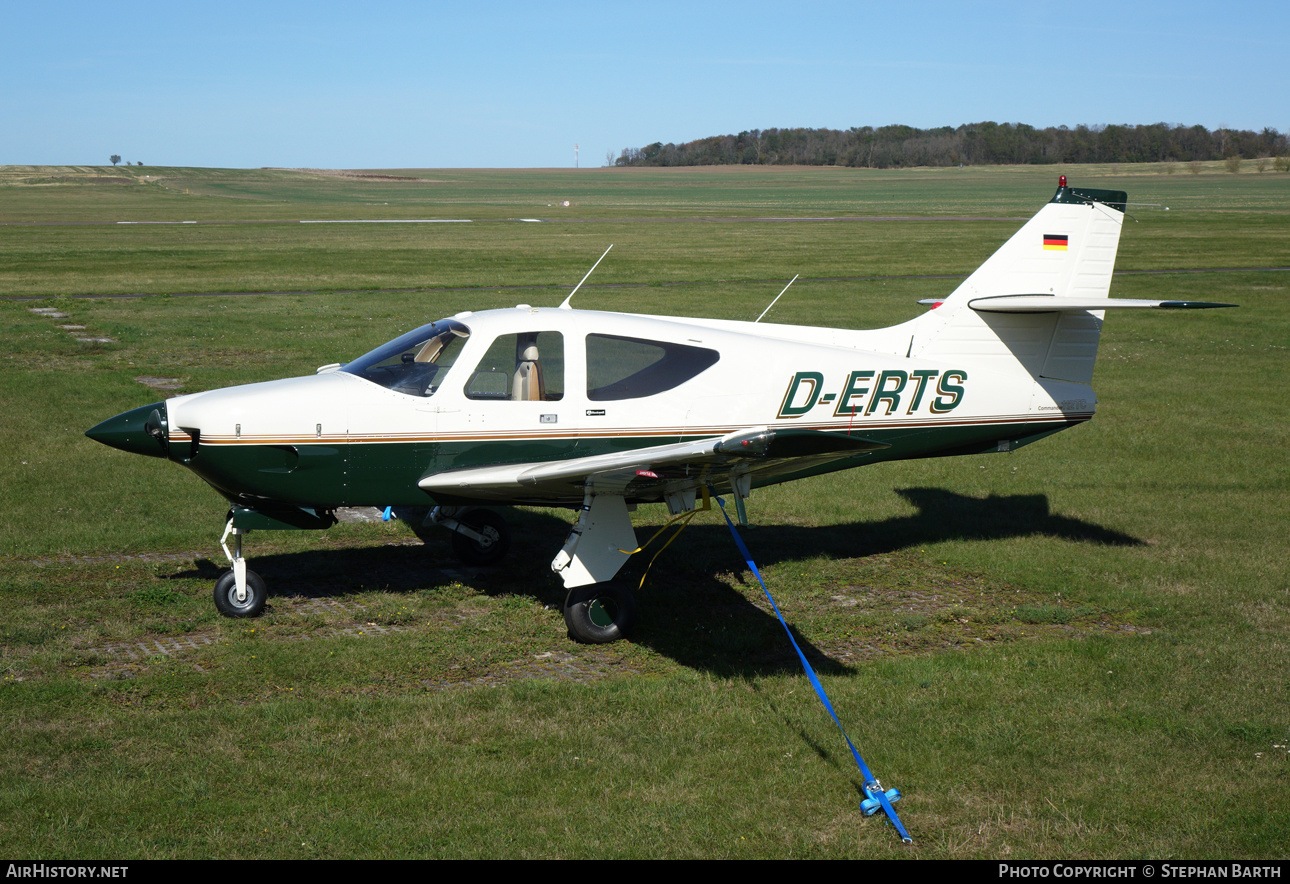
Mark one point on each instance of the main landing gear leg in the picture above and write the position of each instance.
(596, 611)
(239, 592)
(479, 536)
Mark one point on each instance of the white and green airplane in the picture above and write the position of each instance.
(602, 411)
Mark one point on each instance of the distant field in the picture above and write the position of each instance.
(1077, 650)
(61, 230)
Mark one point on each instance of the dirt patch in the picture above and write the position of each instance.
(547, 666)
(160, 383)
(124, 660)
(55, 561)
(374, 176)
(909, 620)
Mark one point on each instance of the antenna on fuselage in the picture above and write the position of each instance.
(777, 297)
(565, 305)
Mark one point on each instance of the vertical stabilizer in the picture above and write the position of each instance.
(1067, 250)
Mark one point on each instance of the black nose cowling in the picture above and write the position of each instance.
(140, 430)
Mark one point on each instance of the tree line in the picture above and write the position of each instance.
(988, 143)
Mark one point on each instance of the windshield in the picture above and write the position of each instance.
(415, 363)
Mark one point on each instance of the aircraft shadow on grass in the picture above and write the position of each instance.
(687, 610)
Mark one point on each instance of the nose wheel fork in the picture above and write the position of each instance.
(239, 591)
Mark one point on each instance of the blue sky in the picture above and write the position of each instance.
(400, 84)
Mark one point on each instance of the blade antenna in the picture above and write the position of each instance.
(777, 297)
(565, 305)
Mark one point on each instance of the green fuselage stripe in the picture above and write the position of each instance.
(383, 474)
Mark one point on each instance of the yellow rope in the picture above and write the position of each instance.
(707, 505)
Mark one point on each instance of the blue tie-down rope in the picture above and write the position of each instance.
(875, 798)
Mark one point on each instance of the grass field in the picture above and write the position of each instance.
(1076, 650)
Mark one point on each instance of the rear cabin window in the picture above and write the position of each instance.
(526, 367)
(633, 368)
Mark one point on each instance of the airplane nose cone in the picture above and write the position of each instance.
(140, 430)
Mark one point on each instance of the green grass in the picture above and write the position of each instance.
(667, 225)
(1077, 650)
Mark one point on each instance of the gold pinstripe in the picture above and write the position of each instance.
(633, 432)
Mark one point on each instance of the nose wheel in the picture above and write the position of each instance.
(239, 592)
(248, 603)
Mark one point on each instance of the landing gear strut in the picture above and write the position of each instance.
(480, 537)
(239, 592)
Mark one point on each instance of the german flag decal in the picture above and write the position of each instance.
(1055, 241)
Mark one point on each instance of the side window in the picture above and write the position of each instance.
(525, 367)
(632, 368)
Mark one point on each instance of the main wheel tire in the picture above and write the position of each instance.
(226, 595)
(497, 536)
(599, 613)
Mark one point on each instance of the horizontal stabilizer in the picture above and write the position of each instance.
(1051, 304)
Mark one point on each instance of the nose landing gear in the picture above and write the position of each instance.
(479, 537)
(239, 592)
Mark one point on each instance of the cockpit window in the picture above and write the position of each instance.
(415, 363)
(632, 368)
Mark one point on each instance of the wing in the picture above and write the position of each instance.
(602, 485)
(650, 474)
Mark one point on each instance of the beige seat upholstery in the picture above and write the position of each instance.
(528, 385)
